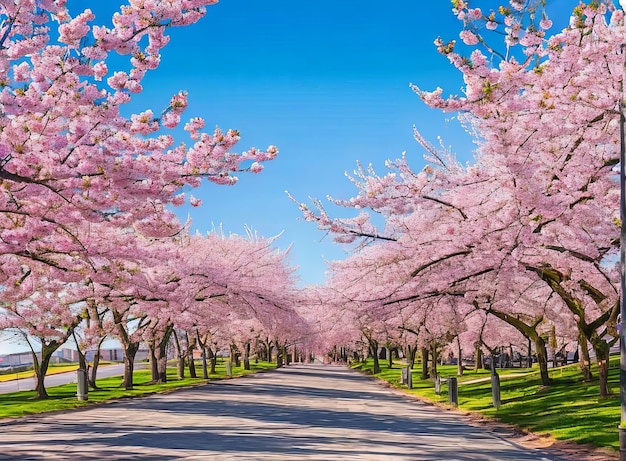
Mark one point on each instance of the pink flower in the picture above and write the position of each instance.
(545, 24)
(100, 70)
(468, 37)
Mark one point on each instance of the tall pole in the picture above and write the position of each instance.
(622, 253)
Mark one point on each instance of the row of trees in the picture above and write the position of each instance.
(89, 246)
(523, 243)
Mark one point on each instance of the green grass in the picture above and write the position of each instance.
(569, 409)
(64, 397)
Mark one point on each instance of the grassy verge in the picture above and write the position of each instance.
(64, 397)
(53, 369)
(569, 409)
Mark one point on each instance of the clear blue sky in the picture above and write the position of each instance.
(327, 82)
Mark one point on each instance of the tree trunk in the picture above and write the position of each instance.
(161, 362)
(478, 357)
(425, 363)
(602, 350)
(205, 371)
(180, 355)
(212, 360)
(373, 347)
(192, 365)
(234, 355)
(154, 368)
(268, 350)
(279, 355)
(246, 356)
(410, 356)
(41, 367)
(130, 351)
(433, 360)
(542, 359)
(585, 360)
(94, 367)
(459, 362)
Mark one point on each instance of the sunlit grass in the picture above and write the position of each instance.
(569, 409)
(64, 397)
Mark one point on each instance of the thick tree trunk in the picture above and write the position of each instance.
(94, 367)
(130, 351)
(154, 368)
(459, 362)
(478, 357)
(93, 371)
(41, 367)
(410, 356)
(373, 347)
(542, 359)
(425, 363)
(246, 356)
(433, 360)
(585, 360)
(602, 350)
(161, 362)
(192, 365)
(212, 360)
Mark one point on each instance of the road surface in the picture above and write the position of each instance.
(304, 412)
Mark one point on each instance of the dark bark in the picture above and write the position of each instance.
(373, 346)
(433, 360)
(459, 363)
(212, 360)
(478, 357)
(425, 353)
(246, 356)
(410, 355)
(130, 351)
(585, 359)
(41, 366)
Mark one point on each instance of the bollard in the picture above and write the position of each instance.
(229, 370)
(403, 376)
(453, 391)
(438, 384)
(409, 378)
(495, 389)
(82, 388)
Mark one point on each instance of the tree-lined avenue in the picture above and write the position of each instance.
(304, 412)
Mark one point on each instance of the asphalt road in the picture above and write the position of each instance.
(296, 413)
(26, 384)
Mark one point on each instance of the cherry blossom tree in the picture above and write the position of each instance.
(70, 159)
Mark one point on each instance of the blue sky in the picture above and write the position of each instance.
(327, 82)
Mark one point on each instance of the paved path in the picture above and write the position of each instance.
(295, 413)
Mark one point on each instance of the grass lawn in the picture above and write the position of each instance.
(569, 409)
(64, 397)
